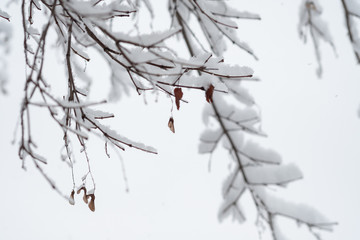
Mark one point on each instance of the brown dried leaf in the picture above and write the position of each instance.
(71, 199)
(92, 202)
(209, 94)
(171, 124)
(178, 95)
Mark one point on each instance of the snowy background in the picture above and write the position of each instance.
(311, 122)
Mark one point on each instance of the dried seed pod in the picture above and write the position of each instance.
(209, 93)
(71, 198)
(92, 202)
(85, 197)
(178, 95)
(171, 124)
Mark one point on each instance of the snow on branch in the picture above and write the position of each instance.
(214, 18)
(310, 21)
(4, 15)
(267, 175)
(301, 213)
(5, 37)
(255, 168)
(100, 11)
(233, 188)
(143, 62)
(352, 13)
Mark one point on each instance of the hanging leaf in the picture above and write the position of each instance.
(178, 95)
(209, 94)
(92, 202)
(171, 124)
(71, 199)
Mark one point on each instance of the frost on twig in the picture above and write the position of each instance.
(256, 170)
(311, 22)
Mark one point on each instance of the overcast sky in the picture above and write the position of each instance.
(311, 122)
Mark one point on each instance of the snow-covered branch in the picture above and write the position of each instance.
(310, 21)
(352, 13)
(4, 15)
(255, 168)
(5, 37)
(214, 18)
(143, 62)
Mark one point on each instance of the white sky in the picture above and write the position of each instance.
(312, 122)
